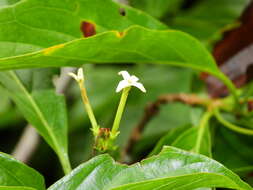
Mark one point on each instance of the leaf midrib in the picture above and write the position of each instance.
(39, 113)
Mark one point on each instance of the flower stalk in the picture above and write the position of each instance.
(124, 86)
(120, 110)
(80, 80)
(88, 108)
(104, 137)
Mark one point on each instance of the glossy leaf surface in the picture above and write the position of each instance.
(172, 168)
(15, 173)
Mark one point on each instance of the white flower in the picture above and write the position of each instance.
(129, 81)
(79, 77)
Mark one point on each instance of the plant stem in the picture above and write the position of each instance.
(203, 123)
(230, 86)
(88, 108)
(119, 112)
(65, 164)
(230, 125)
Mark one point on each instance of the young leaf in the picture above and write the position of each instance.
(45, 110)
(172, 168)
(15, 173)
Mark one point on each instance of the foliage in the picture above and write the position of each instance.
(165, 43)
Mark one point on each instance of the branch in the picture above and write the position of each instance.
(153, 109)
(29, 140)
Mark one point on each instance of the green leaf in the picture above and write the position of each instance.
(46, 23)
(163, 47)
(15, 173)
(157, 8)
(38, 18)
(169, 138)
(45, 110)
(188, 141)
(186, 138)
(197, 139)
(171, 169)
(16, 188)
(232, 149)
(8, 2)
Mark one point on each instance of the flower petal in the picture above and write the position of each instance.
(80, 74)
(134, 78)
(73, 75)
(140, 86)
(125, 75)
(122, 84)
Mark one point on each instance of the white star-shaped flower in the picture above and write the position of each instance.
(79, 77)
(129, 81)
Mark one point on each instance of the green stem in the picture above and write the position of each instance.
(65, 164)
(230, 86)
(88, 108)
(119, 112)
(230, 125)
(248, 93)
(203, 123)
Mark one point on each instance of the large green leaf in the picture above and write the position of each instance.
(45, 110)
(171, 169)
(137, 44)
(33, 24)
(15, 173)
(16, 188)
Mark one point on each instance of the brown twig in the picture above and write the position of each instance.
(153, 109)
